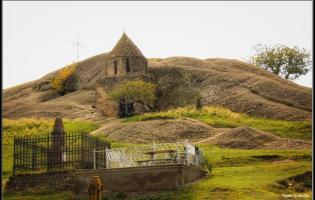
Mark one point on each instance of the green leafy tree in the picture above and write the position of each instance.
(286, 62)
(59, 83)
(137, 92)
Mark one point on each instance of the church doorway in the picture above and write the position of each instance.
(125, 109)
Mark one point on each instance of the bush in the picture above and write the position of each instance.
(198, 103)
(205, 164)
(59, 83)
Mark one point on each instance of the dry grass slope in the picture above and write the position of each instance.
(250, 138)
(221, 82)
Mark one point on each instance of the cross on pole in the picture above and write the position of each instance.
(78, 45)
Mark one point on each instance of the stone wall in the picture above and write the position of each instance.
(59, 181)
(136, 65)
(142, 178)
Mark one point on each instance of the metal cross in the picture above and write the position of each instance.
(78, 45)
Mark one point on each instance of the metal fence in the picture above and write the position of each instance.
(54, 152)
(153, 154)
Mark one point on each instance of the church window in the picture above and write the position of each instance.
(115, 67)
(127, 66)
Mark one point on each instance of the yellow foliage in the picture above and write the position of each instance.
(59, 82)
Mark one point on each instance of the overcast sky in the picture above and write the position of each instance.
(37, 35)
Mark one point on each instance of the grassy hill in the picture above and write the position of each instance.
(255, 127)
(228, 83)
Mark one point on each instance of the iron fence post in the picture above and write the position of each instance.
(14, 157)
(48, 161)
(187, 154)
(177, 152)
(94, 158)
(82, 156)
(196, 158)
(106, 158)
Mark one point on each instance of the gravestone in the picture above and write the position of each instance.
(57, 151)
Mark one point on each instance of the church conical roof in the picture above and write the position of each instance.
(125, 47)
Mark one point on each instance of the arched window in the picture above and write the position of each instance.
(115, 67)
(127, 66)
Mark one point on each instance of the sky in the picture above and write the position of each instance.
(37, 35)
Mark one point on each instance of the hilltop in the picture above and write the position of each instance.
(222, 82)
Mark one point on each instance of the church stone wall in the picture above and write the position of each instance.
(136, 65)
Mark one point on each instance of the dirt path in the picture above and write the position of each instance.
(106, 124)
(210, 138)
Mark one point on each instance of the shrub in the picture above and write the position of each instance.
(198, 103)
(137, 92)
(59, 83)
(205, 164)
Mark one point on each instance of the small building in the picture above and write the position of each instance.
(124, 63)
(125, 58)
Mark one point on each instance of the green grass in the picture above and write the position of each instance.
(31, 126)
(224, 118)
(247, 182)
(114, 143)
(237, 174)
(238, 158)
(35, 195)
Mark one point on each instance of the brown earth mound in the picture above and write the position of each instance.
(49, 104)
(221, 82)
(229, 83)
(160, 131)
(195, 131)
(250, 138)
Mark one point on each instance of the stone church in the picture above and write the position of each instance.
(125, 58)
(125, 62)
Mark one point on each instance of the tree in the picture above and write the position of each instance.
(59, 83)
(286, 62)
(137, 92)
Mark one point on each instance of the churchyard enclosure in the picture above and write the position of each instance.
(51, 152)
(154, 154)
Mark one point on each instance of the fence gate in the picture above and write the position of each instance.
(51, 152)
